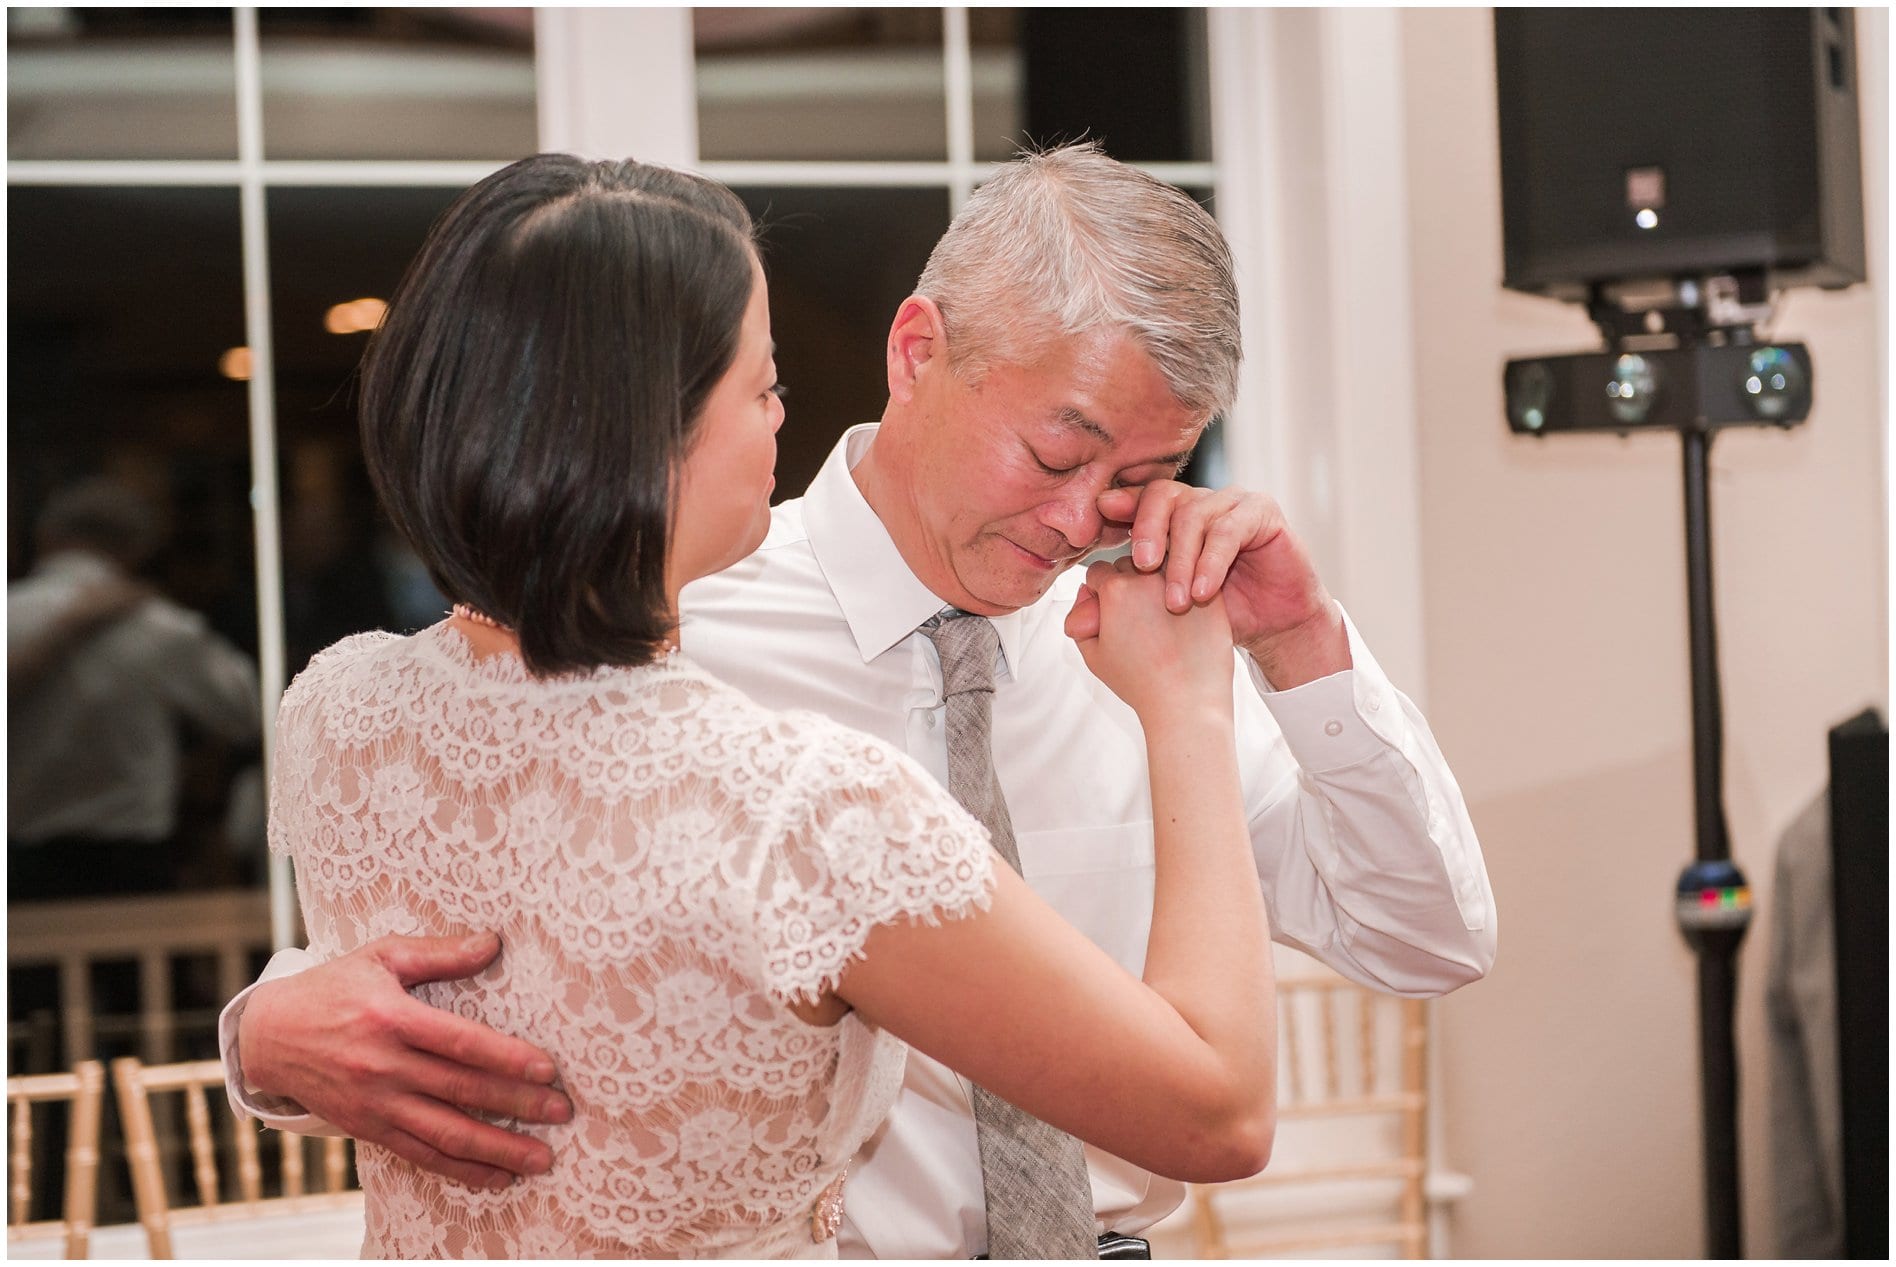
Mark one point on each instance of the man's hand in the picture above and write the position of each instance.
(347, 1042)
(1237, 543)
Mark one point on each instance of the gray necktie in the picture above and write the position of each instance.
(1039, 1200)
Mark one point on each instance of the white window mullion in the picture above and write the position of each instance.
(958, 65)
(617, 83)
(263, 453)
(747, 173)
(815, 174)
(124, 172)
(407, 174)
(345, 174)
(1244, 127)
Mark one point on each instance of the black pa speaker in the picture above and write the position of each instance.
(1673, 143)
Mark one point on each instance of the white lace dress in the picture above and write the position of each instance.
(668, 865)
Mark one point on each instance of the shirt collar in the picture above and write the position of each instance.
(881, 598)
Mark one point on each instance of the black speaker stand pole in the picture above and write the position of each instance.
(1714, 903)
(1693, 368)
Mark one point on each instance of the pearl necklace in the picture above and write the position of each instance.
(478, 617)
(467, 613)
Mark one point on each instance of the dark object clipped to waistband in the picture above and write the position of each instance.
(1113, 1245)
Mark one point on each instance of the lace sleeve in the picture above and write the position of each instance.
(865, 838)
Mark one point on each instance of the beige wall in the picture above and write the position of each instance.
(1553, 582)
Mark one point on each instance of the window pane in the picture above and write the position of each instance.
(133, 763)
(820, 84)
(121, 83)
(1135, 79)
(335, 254)
(840, 261)
(998, 72)
(397, 83)
(1210, 467)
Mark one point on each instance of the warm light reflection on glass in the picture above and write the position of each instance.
(235, 365)
(354, 317)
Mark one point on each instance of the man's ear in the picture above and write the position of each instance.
(918, 340)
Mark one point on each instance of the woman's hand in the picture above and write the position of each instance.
(1151, 658)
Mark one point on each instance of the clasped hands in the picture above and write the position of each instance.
(1211, 542)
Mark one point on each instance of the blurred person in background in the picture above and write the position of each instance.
(103, 676)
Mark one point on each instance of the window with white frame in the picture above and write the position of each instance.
(206, 208)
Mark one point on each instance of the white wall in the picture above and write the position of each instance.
(1555, 628)
(1308, 125)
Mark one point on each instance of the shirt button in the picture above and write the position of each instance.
(928, 720)
(1333, 728)
(1373, 703)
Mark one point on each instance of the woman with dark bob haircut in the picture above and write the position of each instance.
(721, 921)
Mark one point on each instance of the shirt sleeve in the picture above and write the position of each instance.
(1363, 841)
(864, 838)
(204, 677)
(272, 1111)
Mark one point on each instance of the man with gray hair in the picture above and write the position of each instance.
(1070, 339)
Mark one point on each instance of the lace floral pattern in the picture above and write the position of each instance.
(669, 866)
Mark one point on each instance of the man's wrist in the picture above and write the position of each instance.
(246, 1099)
(243, 1040)
(1317, 648)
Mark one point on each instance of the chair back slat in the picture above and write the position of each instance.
(335, 1164)
(141, 1153)
(292, 1164)
(249, 1166)
(1332, 1086)
(20, 1164)
(1415, 1051)
(1366, 1049)
(82, 1157)
(203, 1145)
(84, 1091)
(1290, 1051)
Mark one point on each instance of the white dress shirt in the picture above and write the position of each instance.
(1364, 847)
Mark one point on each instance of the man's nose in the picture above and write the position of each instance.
(1075, 516)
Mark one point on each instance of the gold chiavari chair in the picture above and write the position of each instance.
(201, 1083)
(84, 1090)
(1349, 1056)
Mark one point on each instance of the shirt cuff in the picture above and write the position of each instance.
(276, 1112)
(1337, 721)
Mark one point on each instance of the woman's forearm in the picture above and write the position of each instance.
(1209, 951)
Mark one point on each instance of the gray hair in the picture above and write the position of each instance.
(1068, 241)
